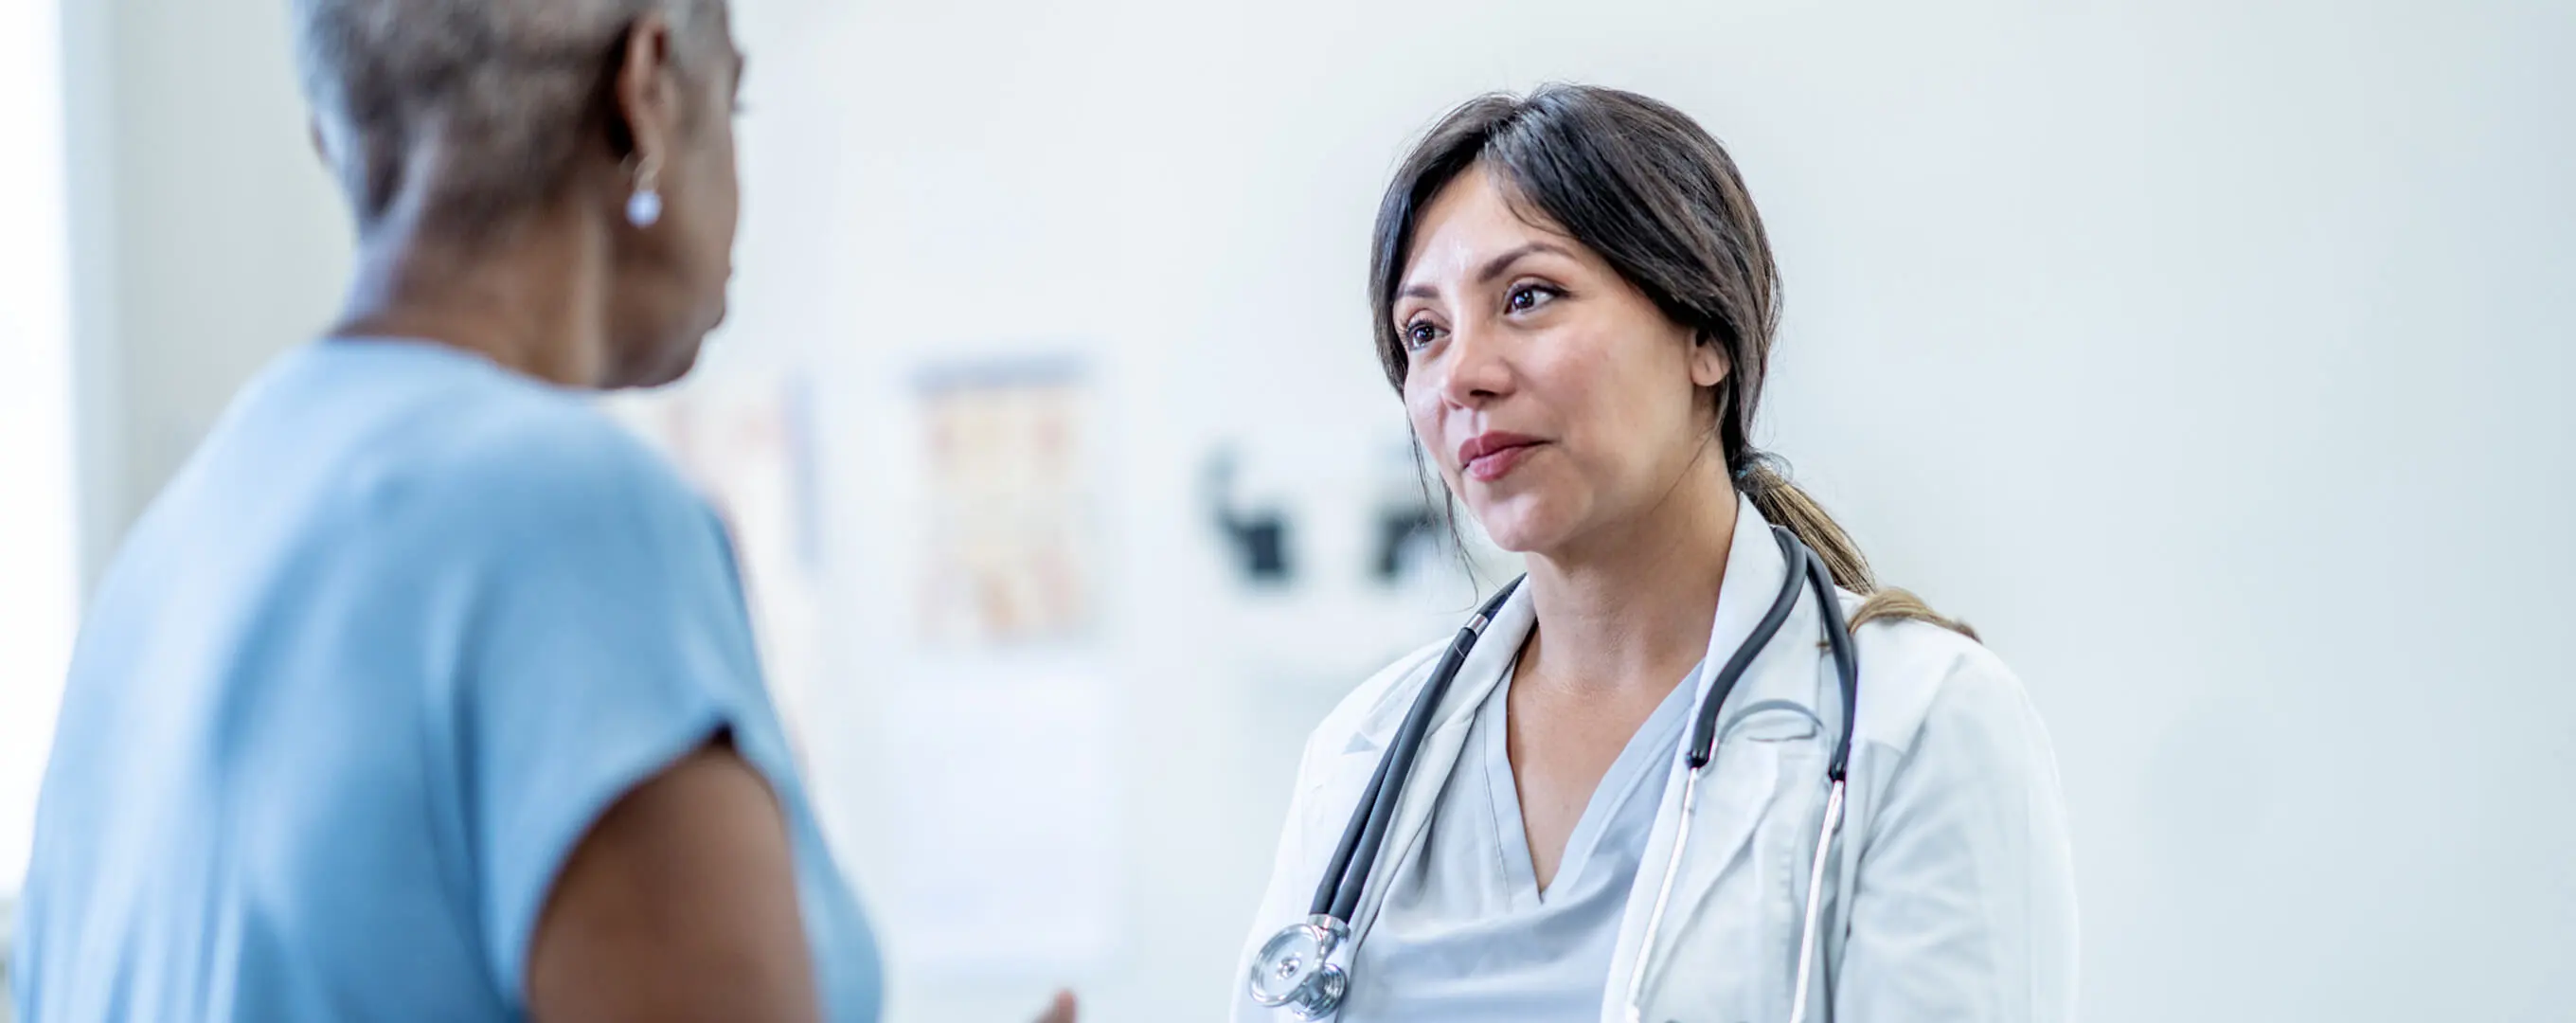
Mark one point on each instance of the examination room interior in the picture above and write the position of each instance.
(2211, 358)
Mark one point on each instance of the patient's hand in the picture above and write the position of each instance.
(1059, 1011)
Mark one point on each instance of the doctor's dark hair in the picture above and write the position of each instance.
(1645, 187)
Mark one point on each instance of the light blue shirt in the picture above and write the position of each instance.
(1465, 934)
(359, 681)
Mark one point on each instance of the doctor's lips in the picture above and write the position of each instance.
(1486, 457)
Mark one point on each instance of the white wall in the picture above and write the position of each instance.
(37, 557)
(218, 241)
(202, 239)
(2210, 358)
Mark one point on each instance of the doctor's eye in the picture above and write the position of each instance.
(1420, 334)
(1525, 297)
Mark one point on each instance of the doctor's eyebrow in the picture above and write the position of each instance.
(1493, 268)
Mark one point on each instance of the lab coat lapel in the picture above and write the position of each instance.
(1476, 680)
(1742, 784)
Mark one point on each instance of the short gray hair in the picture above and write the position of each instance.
(503, 85)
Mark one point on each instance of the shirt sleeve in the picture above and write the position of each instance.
(607, 638)
(1965, 903)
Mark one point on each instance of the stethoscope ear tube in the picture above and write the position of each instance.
(1815, 899)
(1703, 747)
(1331, 884)
(1803, 566)
(1846, 661)
(1339, 894)
(1299, 957)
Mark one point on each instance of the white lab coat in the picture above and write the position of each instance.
(1950, 896)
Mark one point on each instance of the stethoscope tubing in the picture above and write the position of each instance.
(1338, 894)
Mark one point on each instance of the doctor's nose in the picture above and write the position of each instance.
(1475, 373)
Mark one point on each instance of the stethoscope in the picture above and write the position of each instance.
(1295, 971)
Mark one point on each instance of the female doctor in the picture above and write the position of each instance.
(1697, 765)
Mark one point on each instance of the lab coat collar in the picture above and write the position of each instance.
(1793, 672)
(1494, 651)
(1752, 578)
(1754, 568)
(1783, 673)
(1420, 793)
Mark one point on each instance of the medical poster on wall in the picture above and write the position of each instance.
(1002, 871)
(1008, 551)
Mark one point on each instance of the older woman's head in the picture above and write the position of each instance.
(604, 126)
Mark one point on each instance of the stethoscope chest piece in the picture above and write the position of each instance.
(1294, 971)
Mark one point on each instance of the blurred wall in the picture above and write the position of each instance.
(2211, 359)
(38, 566)
(206, 237)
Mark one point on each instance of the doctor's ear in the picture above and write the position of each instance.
(1708, 364)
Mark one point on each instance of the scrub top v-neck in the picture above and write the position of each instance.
(1466, 934)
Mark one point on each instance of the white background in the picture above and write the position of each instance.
(2211, 357)
(38, 593)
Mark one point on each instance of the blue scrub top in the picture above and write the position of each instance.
(357, 684)
(1466, 935)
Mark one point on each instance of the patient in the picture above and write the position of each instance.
(424, 692)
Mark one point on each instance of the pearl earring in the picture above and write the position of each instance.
(644, 206)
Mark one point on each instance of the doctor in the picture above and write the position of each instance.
(1645, 790)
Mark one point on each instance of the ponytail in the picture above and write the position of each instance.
(1790, 508)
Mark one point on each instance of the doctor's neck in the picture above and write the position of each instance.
(1629, 602)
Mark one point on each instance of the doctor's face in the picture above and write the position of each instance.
(1556, 399)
